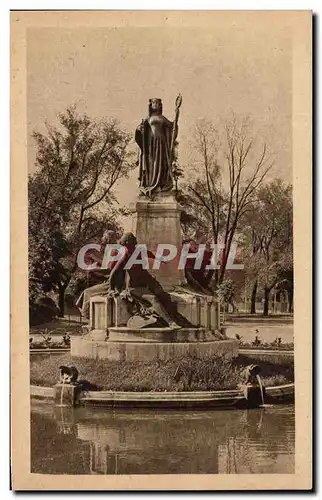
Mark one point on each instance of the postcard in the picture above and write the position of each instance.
(161, 303)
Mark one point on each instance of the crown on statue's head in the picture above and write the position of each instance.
(155, 105)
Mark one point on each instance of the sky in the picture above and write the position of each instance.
(112, 72)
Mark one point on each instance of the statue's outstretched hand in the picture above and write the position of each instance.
(140, 127)
(113, 293)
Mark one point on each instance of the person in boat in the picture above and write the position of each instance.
(139, 285)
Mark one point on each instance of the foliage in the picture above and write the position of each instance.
(276, 344)
(226, 291)
(47, 341)
(179, 374)
(66, 339)
(46, 337)
(243, 209)
(277, 367)
(215, 207)
(54, 344)
(257, 341)
(71, 200)
(268, 239)
(42, 309)
(78, 282)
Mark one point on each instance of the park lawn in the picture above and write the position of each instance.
(181, 374)
(57, 326)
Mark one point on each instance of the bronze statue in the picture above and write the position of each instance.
(156, 137)
(68, 374)
(139, 285)
(250, 374)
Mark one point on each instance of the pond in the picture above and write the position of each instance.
(103, 441)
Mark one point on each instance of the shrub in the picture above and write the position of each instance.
(257, 341)
(179, 374)
(42, 310)
(66, 339)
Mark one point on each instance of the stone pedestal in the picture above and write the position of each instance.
(110, 338)
(149, 350)
(65, 394)
(155, 222)
(253, 394)
(105, 312)
(202, 311)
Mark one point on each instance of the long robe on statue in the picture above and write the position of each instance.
(154, 136)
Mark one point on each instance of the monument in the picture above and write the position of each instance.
(156, 216)
(155, 316)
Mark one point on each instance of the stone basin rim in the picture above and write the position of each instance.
(255, 352)
(230, 398)
(159, 329)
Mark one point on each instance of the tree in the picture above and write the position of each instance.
(217, 204)
(71, 200)
(268, 240)
(226, 292)
(251, 243)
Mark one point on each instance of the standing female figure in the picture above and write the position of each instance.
(155, 137)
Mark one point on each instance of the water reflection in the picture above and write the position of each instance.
(97, 441)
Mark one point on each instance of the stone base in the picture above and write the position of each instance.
(105, 311)
(149, 351)
(110, 338)
(200, 310)
(253, 394)
(157, 222)
(162, 335)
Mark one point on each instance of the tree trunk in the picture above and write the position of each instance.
(266, 301)
(61, 300)
(290, 300)
(253, 299)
